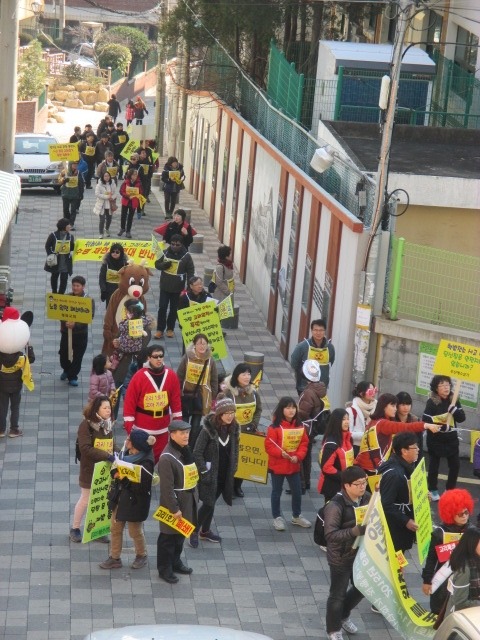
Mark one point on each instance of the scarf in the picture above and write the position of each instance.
(106, 425)
(228, 263)
(367, 408)
(135, 458)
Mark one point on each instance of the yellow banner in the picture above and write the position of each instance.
(194, 371)
(63, 152)
(291, 439)
(68, 308)
(244, 412)
(132, 191)
(104, 444)
(72, 181)
(157, 247)
(130, 148)
(89, 151)
(142, 200)
(173, 268)
(155, 401)
(112, 276)
(112, 171)
(181, 525)
(190, 476)
(373, 482)
(474, 436)
(27, 377)
(202, 318)
(225, 308)
(127, 470)
(135, 328)
(136, 250)
(252, 458)
(458, 360)
(421, 509)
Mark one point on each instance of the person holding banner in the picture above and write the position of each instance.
(395, 491)
(318, 348)
(177, 269)
(130, 191)
(145, 174)
(87, 149)
(95, 443)
(71, 189)
(178, 494)
(454, 508)
(197, 373)
(153, 399)
(360, 410)
(60, 244)
(109, 277)
(465, 564)
(286, 445)
(216, 456)
(223, 275)
(130, 499)
(178, 226)
(343, 525)
(172, 180)
(109, 164)
(248, 406)
(445, 444)
(336, 454)
(119, 139)
(376, 442)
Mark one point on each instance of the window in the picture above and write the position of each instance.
(466, 50)
(434, 31)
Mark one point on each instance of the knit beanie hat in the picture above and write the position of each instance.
(223, 405)
(141, 440)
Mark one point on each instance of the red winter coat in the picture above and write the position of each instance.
(333, 461)
(273, 447)
(135, 202)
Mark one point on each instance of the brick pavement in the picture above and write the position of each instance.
(271, 582)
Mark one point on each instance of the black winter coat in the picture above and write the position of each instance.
(443, 443)
(12, 382)
(207, 450)
(341, 529)
(134, 497)
(395, 497)
(186, 269)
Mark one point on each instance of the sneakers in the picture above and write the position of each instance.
(336, 635)
(158, 335)
(193, 542)
(209, 536)
(63, 376)
(111, 563)
(75, 535)
(301, 522)
(435, 496)
(107, 233)
(100, 237)
(349, 626)
(279, 523)
(73, 383)
(128, 234)
(15, 433)
(170, 333)
(139, 562)
(2, 434)
(121, 232)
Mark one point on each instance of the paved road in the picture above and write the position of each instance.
(258, 579)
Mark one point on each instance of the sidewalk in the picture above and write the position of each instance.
(258, 579)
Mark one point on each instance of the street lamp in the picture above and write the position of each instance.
(36, 7)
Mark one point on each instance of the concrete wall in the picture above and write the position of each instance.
(126, 89)
(398, 362)
(29, 120)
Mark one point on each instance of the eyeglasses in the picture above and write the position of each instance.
(156, 356)
(360, 483)
(464, 513)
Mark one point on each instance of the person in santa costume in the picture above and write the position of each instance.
(153, 399)
(16, 355)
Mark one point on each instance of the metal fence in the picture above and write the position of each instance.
(284, 85)
(433, 285)
(220, 75)
(42, 98)
(116, 75)
(152, 59)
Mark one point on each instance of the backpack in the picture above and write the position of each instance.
(476, 458)
(319, 530)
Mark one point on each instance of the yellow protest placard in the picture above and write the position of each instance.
(89, 151)
(322, 356)
(127, 470)
(104, 444)
(155, 401)
(68, 308)
(458, 360)
(132, 191)
(195, 370)
(63, 152)
(94, 250)
(203, 318)
(225, 308)
(62, 246)
(175, 176)
(421, 509)
(291, 439)
(181, 525)
(112, 276)
(373, 482)
(130, 148)
(155, 156)
(173, 268)
(142, 200)
(112, 171)
(474, 436)
(27, 377)
(97, 518)
(158, 248)
(252, 458)
(135, 328)
(72, 181)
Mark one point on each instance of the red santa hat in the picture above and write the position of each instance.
(10, 313)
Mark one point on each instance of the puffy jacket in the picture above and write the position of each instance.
(175, 283)
(209, 383)
(341, 529)
(395, 497)
(274, 445)
(245, 395)
(333, 460)
(443, 443)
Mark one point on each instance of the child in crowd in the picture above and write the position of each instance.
(132, 330)
(286, 445)
(101, 378)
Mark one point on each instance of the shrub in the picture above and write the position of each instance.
(114, 55)
(32, 72)
(136, 41)
(73, 73)
(25, 38)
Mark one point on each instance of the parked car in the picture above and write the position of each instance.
(460, 625)
(83, 55)
(174, 632)
(32, 163)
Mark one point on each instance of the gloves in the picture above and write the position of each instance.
(111, 458)
(452, 408)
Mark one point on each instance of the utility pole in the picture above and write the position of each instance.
(161, 90)
(368, 278)
(8, 97)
